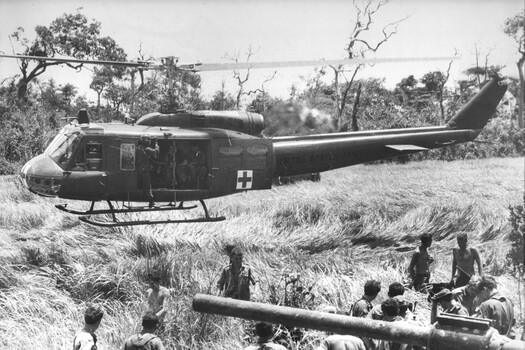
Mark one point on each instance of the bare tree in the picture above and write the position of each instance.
(480, 72)
(242, 79)
(357, 47)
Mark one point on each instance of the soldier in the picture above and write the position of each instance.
(419, 268)
(496, 307)
(463, 260)
(390, 309)
(396, 290)
(449, 305)
(236, 278)
(468, 295)
(158, 297)
(342, 342)
(197, 168)
(147, 153)
(264, 333)
(180, 167)
(86, 339)
(146, 339)
(364, 305)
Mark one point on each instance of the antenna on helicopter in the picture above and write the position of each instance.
(83, 117)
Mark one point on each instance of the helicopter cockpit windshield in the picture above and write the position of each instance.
(62, 147)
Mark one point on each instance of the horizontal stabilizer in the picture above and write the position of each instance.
(404, 148)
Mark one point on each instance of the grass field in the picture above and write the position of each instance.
(358, 223)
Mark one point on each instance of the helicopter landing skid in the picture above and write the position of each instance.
(126, 209)
(116, 223)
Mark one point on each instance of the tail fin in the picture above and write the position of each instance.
(477, 112)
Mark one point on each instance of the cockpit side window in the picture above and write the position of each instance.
(62, 148)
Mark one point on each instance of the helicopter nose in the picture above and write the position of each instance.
(41, 175)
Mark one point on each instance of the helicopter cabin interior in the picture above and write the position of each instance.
(180, 165)
(172, 164)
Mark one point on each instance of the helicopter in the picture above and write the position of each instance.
(184, 156)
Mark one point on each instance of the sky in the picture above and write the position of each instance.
(211, 31)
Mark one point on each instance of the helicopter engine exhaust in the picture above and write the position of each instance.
(245, 122)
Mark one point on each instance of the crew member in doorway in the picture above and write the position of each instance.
(197, 168)
(148, 152)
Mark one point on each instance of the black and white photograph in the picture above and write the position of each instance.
(249, 174)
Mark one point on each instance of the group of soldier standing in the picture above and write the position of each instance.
(467, 294)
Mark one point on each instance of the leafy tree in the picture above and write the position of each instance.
(68, 92)
(263, 102)
(55, 99)
(177, 89)
(377, 105)
(410, 94)
(145, 99)
(105, 75)
(222, 100)
(117, 95)
(435, 84)
(515, 28)
(50, 96)
(407, 90)
(69, 35)
(102, 78)
(23, 135)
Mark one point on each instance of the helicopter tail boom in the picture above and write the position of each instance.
(317, 153)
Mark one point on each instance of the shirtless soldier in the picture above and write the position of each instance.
(158, 297)
(463, 260)
(419, 267)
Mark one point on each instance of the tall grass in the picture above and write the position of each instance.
(356, 224)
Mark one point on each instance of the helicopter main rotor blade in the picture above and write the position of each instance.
(138, 64)
(205, 67)
(208, 67)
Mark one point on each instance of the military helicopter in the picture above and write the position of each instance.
(181, 157)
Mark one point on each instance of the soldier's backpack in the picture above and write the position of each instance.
(142, 343)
